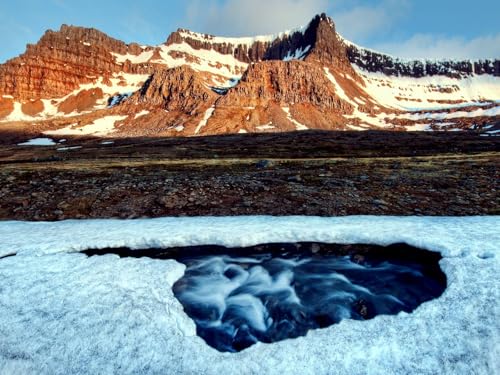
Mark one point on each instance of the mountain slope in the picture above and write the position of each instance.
(197, 84)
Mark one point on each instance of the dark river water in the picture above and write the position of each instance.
(273, 292)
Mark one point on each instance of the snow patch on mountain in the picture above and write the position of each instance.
(298, 125)
(140, 114)
(101, 127)
(338, 89)
(298, 54)
(408, 93)
(208, 113)
(143, 57)
(240, 41)
(202, 60)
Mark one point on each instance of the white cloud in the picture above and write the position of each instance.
(243, 17)
(439, 47)
(363, 21)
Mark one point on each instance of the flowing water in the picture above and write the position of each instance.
(269, 293)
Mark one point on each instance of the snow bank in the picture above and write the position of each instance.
(66, 313)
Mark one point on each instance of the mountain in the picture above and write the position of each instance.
(79, 81)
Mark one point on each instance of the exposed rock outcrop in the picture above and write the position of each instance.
(6, 106)
(309, 78)
(63, 60)
(295, 82)
(177, 89)
(32, 107)
(83, 101)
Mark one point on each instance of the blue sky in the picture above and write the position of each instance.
(407, 28)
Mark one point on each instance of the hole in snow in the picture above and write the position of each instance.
(273, 292)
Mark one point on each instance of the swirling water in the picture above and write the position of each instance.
(268, 296)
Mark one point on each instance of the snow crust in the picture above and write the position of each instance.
(64, 313)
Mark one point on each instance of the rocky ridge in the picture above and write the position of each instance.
(198, 84)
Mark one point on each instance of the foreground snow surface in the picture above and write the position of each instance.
(64, 313)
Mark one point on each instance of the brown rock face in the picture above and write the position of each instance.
(6, 107)
(32, 107)
(319, 33)
(178, 89)
(62, 60)
(328, 48)
(83, 101)
(294, 82)
(318, 89)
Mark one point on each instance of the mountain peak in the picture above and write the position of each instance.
(308, 77)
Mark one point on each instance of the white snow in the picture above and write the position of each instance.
(7, 97)
(208, 113)
(418, 127)
(298, 54)
(140, 114)
(99, 128)
(357, 128)
(123, 83)
(365, 118)
(338, 89)
(38, 142)
(68, 314)
(490, 112)
(240, 41)
(297, 124)
(143, 57)
(209, 61)
(242, 131)
(107, 142)
(269, 126)
(422, 93)
(17, 114)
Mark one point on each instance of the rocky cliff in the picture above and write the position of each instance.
(196, 84)
(373, 61)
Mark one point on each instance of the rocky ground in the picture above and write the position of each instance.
(312, 173)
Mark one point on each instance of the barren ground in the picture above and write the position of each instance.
(311, 173)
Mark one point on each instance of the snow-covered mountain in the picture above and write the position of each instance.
(79, 81)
